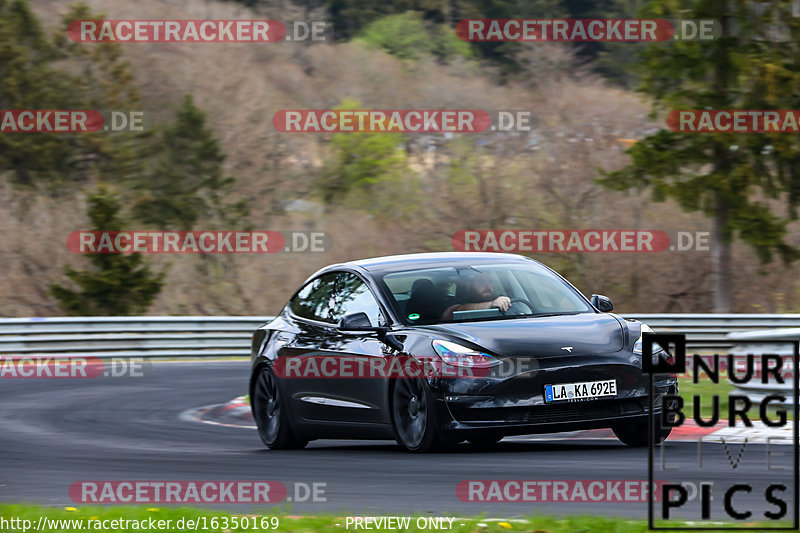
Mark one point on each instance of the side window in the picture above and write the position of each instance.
(353, 296)
(313, 300)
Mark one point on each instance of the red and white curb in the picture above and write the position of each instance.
(236, 413)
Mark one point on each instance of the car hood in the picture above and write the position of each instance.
(546, 336)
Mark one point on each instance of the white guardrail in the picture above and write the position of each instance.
(229, 336)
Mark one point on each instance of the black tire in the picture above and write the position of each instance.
(414, 418)
(270, 415)
(636, 434)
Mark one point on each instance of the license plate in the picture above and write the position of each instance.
(580, 391)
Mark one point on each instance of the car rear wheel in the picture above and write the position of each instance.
(269, 412)
(413, 417)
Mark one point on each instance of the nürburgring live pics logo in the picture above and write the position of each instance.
(736, 498)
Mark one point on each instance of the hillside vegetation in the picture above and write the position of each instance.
(420, 190)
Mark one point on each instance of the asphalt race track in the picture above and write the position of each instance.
(54, 432)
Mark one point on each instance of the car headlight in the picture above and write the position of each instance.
(657, 349)
(637, 346)
(457, 355)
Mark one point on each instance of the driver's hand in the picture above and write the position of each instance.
(503, 303)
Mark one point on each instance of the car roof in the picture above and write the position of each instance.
(394, 263)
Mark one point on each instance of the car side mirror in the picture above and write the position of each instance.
(602, 303)
(356, 322)
(360, 322)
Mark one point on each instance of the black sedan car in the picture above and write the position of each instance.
(434, 349)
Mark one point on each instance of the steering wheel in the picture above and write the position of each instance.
(522, 301)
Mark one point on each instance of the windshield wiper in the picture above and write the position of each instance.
(540, 315)
(506, 317)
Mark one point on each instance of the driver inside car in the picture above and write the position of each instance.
(476, 292)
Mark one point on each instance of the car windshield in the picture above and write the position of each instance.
(479, 292)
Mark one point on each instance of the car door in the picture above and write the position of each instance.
(362, 391)
(320, 386)
(301, 351)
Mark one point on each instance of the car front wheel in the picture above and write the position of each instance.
(637, 434)
(414, 418)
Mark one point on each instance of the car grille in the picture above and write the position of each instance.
(560, 412)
